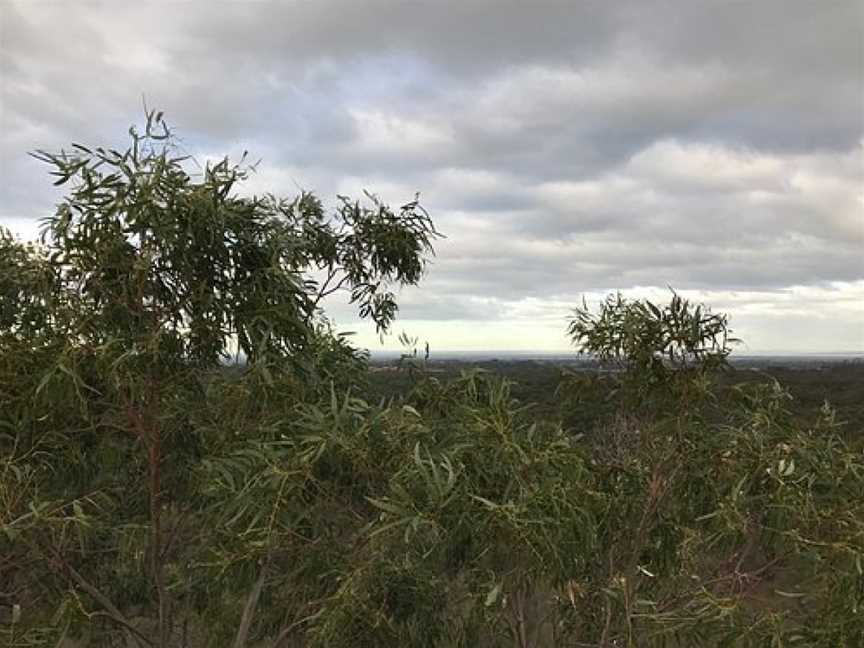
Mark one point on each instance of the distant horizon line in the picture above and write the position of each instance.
(491, 353)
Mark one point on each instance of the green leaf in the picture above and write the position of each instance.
(492, 595)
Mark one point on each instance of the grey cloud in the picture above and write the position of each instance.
(562, 147)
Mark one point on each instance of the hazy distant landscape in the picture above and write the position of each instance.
(766, 358)
(811, 379)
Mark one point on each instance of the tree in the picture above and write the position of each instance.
(719, 501)
(149, 280)
(671, 348)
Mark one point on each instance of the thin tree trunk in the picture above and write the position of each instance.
(156, 559)
(150, 434)
(249, 609)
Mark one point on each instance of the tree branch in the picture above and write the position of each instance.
(324, 291)
(112, 612)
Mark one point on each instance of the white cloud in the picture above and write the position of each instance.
(380, 133)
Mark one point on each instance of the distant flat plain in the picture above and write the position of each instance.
(811, 379)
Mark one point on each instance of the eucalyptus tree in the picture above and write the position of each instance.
(659, 350)
(724, 511)
(150, 278)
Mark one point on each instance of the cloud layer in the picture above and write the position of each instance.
(564, 149)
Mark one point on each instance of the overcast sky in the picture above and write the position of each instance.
(565, 149)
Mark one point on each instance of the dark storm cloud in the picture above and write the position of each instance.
(563, 147)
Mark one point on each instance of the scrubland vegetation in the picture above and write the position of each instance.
(155, 492)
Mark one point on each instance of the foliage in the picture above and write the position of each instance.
(652, 338)
(667, 349)
(718, 503)
(153, 493)
(115, 336)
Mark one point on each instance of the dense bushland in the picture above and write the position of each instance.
(151, 494)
